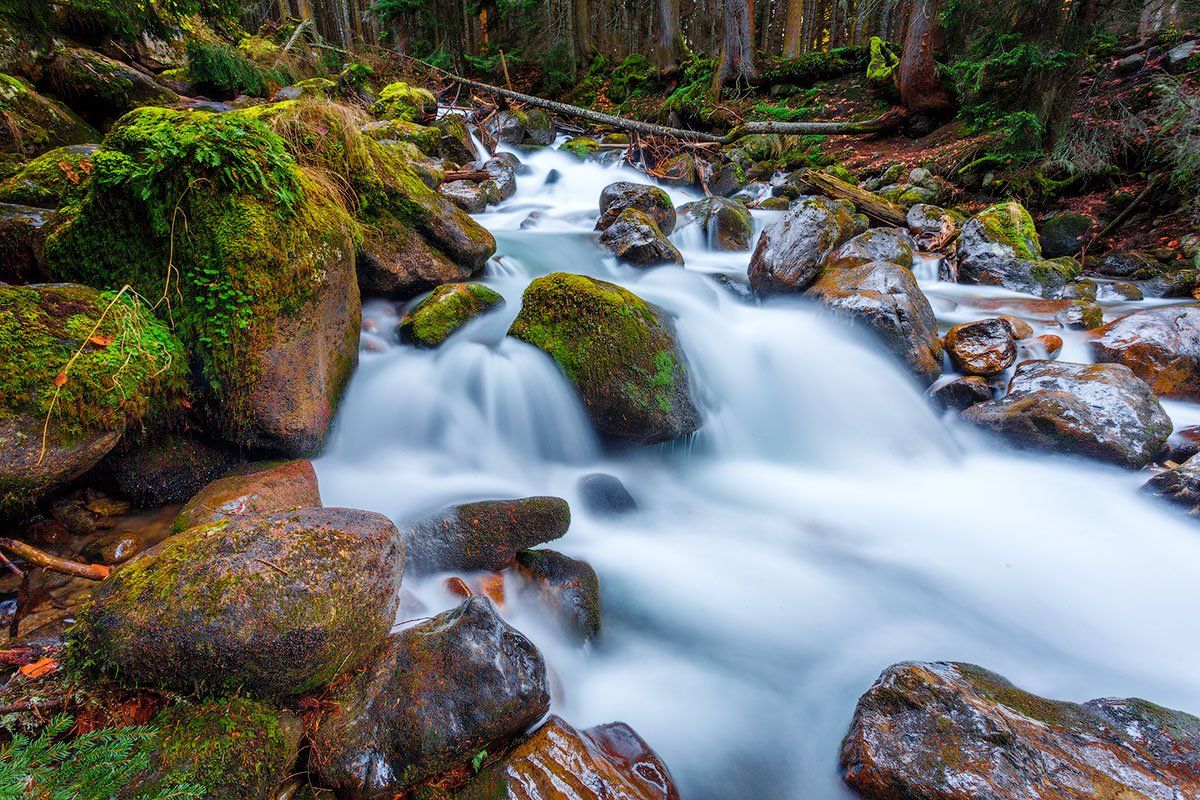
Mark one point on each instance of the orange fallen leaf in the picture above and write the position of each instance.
(60, 379)
(100, 340)
(43, 666)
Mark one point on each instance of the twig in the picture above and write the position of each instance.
(29, 705)
(94, 572)
(1119, 219)
(16, 570)
(275, 567)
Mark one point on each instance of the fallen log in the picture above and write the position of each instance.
(877, 208)
(95, 572)
(473, 175)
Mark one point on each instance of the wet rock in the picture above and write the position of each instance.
(234, 748)
(1063, 234)
(557, 762)
(726, 224)
(933, 225)
(259, 488)
(619, 352)
(552, 177)
(650, 200)
(447, 309)
(581, 147)
(437, 695)
(605, 495)
(726, 179)
(169, 468)
(113, 548)
(791, 252)
(1128, 264)
(1181, 54)
(272, 605)
(53, 179)
(1180, 283)
(486, 535)
(1161, 346)
(946, 731)
(101, 88)
(999, 246)
(1181, 445)
(1101, 411)
(885, 299)
(1083, 289)
(1123, 290)
(877, 244)
(23, 233)
(470, 196)
(456, 144)
(960, 393)
(532, 128)
(1081, 316)
(985, 347)
(1179, 486)
(533, 220)
(126, 368)
(567, 587)
(405, 102)
(1050, 345)
(1019, 328)
(635, 239)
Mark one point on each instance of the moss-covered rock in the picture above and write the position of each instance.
(79, 367)
(456, 146)
(791, 253)
(53, 179)
(272, 605)
(581, 147)
(425, 138)
(1063, 234)
(651, 200)
(212, 211)
(263, 487)
(102, 88)
(726, 224)
(532, 128)
(619, 352)
(232, 748)
(999, 246)
(444, 311)
(34, 123)
(23, 234)
(312, 89)
(634, 238)
(437, 695)
(404, 102)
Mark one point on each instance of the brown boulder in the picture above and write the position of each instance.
(790, 254)
(1160, 345)
(1179, 486)
(985, 347)
(876, 244)
(960, 393)
(635, 239)
(568, 588)
(259, 488)
(169, 468)
(947, 731)
(650, 200)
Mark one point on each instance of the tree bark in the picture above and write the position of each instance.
(585, 45)
(737, 48)
(921, 90)
(667, 49)
(793, 37)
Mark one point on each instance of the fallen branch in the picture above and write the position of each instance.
(1126, 212)
(94, 572)
(29, 705)
(877, 208)
(473, 175)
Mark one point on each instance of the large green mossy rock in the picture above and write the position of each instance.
(34, 123)
(425, 138)
(232, 749)
(77, 367)
(253, 260)
(999, 246)
(404, 102)
(99, 87)
(271, 605)
(619, 352)
(51, 180)
(447, 309)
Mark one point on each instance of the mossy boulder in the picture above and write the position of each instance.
(23, 234)
(447, 308)
(472, 197)
(619, 352)
(893, 245)
(312, 88)
(263, 487)
(791, 253)
(232, 748)
(486, 535)
(635, 238)
(405, 102)
(425, 138)
(53, 179)
(102, 88)
(35, 123)
(213, 212)
(438, 694)
(581, 147)
(1063, 234)
(999, 246)
(532, 128)
(456, 145)
(272, 605)
(650, 200)
(726, 224)
(82, 367)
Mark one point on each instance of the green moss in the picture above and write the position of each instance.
(581, 147)
(318, 88)
(401, 101)
(33, 123)
(260, 50)
(999, 690)
(1010, 224)
(883, 62)
(51, 180)
(444, 311)
(426, 139)
(224, 72)
(129, 370)
(212, 214)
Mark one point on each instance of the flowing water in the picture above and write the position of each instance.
(822, 525)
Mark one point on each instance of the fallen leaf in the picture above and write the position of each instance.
(60, 379)
(101, 340)
(43, 666)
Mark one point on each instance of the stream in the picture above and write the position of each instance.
(823, 524)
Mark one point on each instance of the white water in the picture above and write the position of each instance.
(823, 524)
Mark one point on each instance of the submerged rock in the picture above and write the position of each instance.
(620, 353)
(727, 224)
(567, 587)
(447, 309)
(650, 200)
(557, 762)
(272, 605)
(486, 535)
(1101, 411)
(1179, 486)
(960, 393)
(635, 239)
(885, 298)
(999, 246)
(877, 244)
(605, 495)
(1160, 345)
(985, 347)
(947, 731)
(791, 253)
(437, 695)
(259, 488)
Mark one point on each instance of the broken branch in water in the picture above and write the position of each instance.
(94, 572)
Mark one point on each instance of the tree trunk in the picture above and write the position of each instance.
(921, 90)
(793, 37)
(667, 49)
(737, 49)
(1064, 93)
(1156, 15)
(585, 45)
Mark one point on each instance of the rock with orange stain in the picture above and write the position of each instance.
(985, 347)
(948, 731)
(557, 762)
(567, 587)
(1161, 346)
(257, 488)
